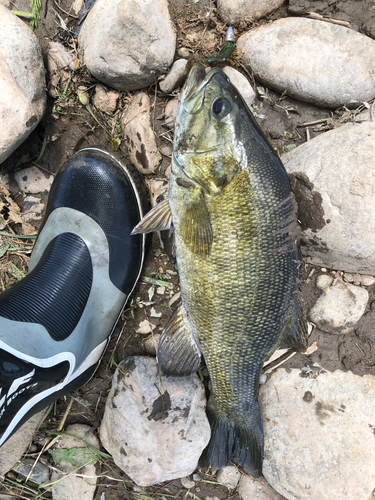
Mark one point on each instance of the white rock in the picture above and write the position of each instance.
(339, 308)
(175, 77)
(127, 44)
(229, 476)
(303, 71)
(105, 100)
(145, 327)
(22, 82)
(139, 136)
(12, 450)
(323, 281)
(336, 213)
(70, 485)
(60, 64)
(33, 180)
(241, 83)
(184, 52)
(236, 11)
(154, 438)
(251, 489)
(322, 449)
(367, 280)
(187, 483)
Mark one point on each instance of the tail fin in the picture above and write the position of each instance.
(240, 440)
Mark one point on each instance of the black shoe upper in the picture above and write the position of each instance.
(89, 183)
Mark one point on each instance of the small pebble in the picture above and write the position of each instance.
(367, 280)
(184, 52)
(160, 290)
(196, 477)
(229, 476)
(187, 483)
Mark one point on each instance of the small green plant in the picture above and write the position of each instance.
(35, 9)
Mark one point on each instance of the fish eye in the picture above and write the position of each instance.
(220, 108)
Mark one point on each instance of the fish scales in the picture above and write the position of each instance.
(237, 254)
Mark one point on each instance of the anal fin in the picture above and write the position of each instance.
(157, 219)
(178, 353)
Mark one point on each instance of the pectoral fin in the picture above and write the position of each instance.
(157, 219)
(178, 353)
(195, 224)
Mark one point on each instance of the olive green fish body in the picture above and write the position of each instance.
(237, 257)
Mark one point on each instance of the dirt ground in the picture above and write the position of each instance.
(68, 126)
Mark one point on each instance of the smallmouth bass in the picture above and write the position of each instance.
(238, 259)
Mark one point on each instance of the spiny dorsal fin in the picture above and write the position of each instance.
(195, 224)
(178, 353)
(157, 219)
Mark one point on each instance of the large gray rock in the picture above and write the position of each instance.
(322, 63)
(334, 183)
(22, 82)
(235, 11)
(319, 435)
(154, 433)
(127, 44)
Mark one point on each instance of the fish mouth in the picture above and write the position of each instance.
(193, 91)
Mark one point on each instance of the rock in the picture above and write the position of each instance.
(70, 485)
(145, 327)
(241, 83)
(105, 100)
(314, 444)
(23, 96)
(303, 72)
(246, 10)
(187, 483)
(127, 44)
(33, 180)
(343, 10)
(34, 471)
(12, 450)
(158, 189)
(229, 476)
(33, 209)
(250, 488)
(171, 113)
(151, 344)
(339, 308)
(139, 136)
(196, 477)
(175, 77)
(367, 280)
(333, 182)
(174, 422)
(183, 52)
(323, 281)
(60, 64)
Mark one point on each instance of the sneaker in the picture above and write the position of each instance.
(56, 323)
